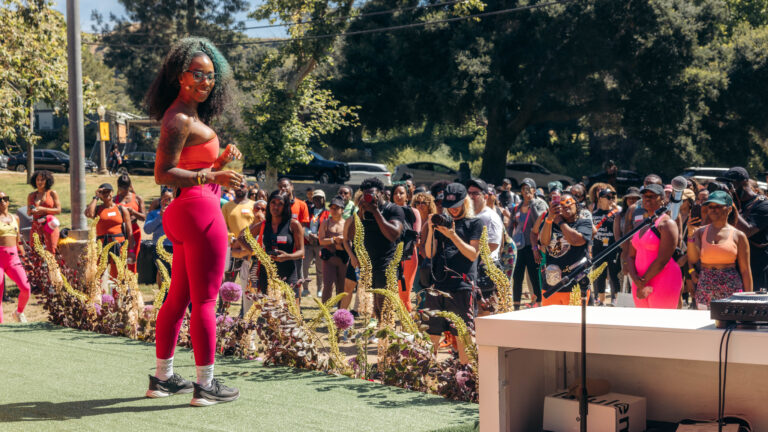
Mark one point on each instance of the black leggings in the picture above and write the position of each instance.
(611, 271)
(525, 262)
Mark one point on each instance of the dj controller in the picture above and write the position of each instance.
(747, 308)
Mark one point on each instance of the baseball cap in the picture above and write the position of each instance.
(318, 193)
(106, 186)
(478, 183)
(689, 195)
(554, 185)
(632, 192)
(735, 174)
(720, 197)
(653, 187)
(454, 195)
(337, 201)
(668, 188)
(528, 181)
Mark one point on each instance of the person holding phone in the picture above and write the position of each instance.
(282, 237)
(43, 205)
(382, 223)
(114, 222)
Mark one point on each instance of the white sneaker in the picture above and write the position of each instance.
(19, 316)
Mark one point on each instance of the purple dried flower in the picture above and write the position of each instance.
(107, 299)
(230, 292)
(97, 308)
(343, 319)
(228, 321)
(148, 309)
(461, 378)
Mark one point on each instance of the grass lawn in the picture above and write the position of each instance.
(61, 379)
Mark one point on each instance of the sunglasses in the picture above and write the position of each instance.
(5, 198)
(650, 196)
(260, 209)
(715, 207)
(198, 76)
(474, 194)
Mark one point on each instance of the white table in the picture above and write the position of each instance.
(668, 356)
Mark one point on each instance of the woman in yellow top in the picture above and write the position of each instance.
(10, 264)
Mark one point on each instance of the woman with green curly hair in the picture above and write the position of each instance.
(192, 88)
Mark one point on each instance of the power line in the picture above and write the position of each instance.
(366, 31)
(362, 15)
(337, 19)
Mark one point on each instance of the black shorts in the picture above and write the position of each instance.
(461, 303)
(351, 275)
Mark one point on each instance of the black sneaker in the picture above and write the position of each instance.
(173, 385)
(214, 394)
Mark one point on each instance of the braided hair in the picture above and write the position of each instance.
(165, 87)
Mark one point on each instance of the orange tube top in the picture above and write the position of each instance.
(199, 156)
(726, 252)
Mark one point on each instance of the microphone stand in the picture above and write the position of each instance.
(581, 276)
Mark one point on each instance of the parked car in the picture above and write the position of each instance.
(517, 171)
(318, 169)
(3, 162)
(624, 180)
(137, 163)
(51, 160)
(359, 171)
(704, 175)
(426, 172)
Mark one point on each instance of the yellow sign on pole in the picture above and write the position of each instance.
(104, 131)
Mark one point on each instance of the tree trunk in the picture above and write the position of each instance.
(31, 142)
(498, 140)
(190, 17)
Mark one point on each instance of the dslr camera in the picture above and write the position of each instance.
(442, 219)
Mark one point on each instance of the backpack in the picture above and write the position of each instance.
(409, 236)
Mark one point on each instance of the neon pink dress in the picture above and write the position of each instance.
(667, 284)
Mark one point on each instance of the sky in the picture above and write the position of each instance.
(105, 7)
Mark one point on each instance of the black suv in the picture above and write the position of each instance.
(51, 160)
(318, 169)
(137, 163)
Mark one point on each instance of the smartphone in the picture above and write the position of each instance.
(696, 211)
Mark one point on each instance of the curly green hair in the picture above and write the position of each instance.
(165, 87)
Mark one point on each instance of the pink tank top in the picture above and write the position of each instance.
(200, 155)
(646, 248)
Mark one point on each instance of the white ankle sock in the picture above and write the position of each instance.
(205, 375)
(164, 368)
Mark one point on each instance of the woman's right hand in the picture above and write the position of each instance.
(227, 178)
(354, 262)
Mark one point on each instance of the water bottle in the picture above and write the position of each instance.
(357, 273)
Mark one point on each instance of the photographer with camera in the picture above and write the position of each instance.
(382, 224)
(565, 237)
(453, 245)
(114, 222)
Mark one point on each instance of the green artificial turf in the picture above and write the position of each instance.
(61, 379)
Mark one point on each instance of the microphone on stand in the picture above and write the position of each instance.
(679, 184)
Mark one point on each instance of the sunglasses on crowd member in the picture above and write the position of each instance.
(713, 206)
(474, 193)
(419, 202)
(649, 196)
(5, 198)
(258, 209)
(199, 75)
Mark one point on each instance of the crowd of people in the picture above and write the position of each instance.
(715, 246)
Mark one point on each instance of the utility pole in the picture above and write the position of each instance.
(76, 135)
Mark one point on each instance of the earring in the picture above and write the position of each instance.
(186, 87)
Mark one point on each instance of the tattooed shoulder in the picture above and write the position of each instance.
(174, 133)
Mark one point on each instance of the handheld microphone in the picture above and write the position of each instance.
(679, 184)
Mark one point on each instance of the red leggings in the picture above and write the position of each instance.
(195, 225)
(10, 264)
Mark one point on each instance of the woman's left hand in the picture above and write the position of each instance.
(230, 153)
(280, 257)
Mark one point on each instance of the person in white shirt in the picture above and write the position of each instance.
(477, 190)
